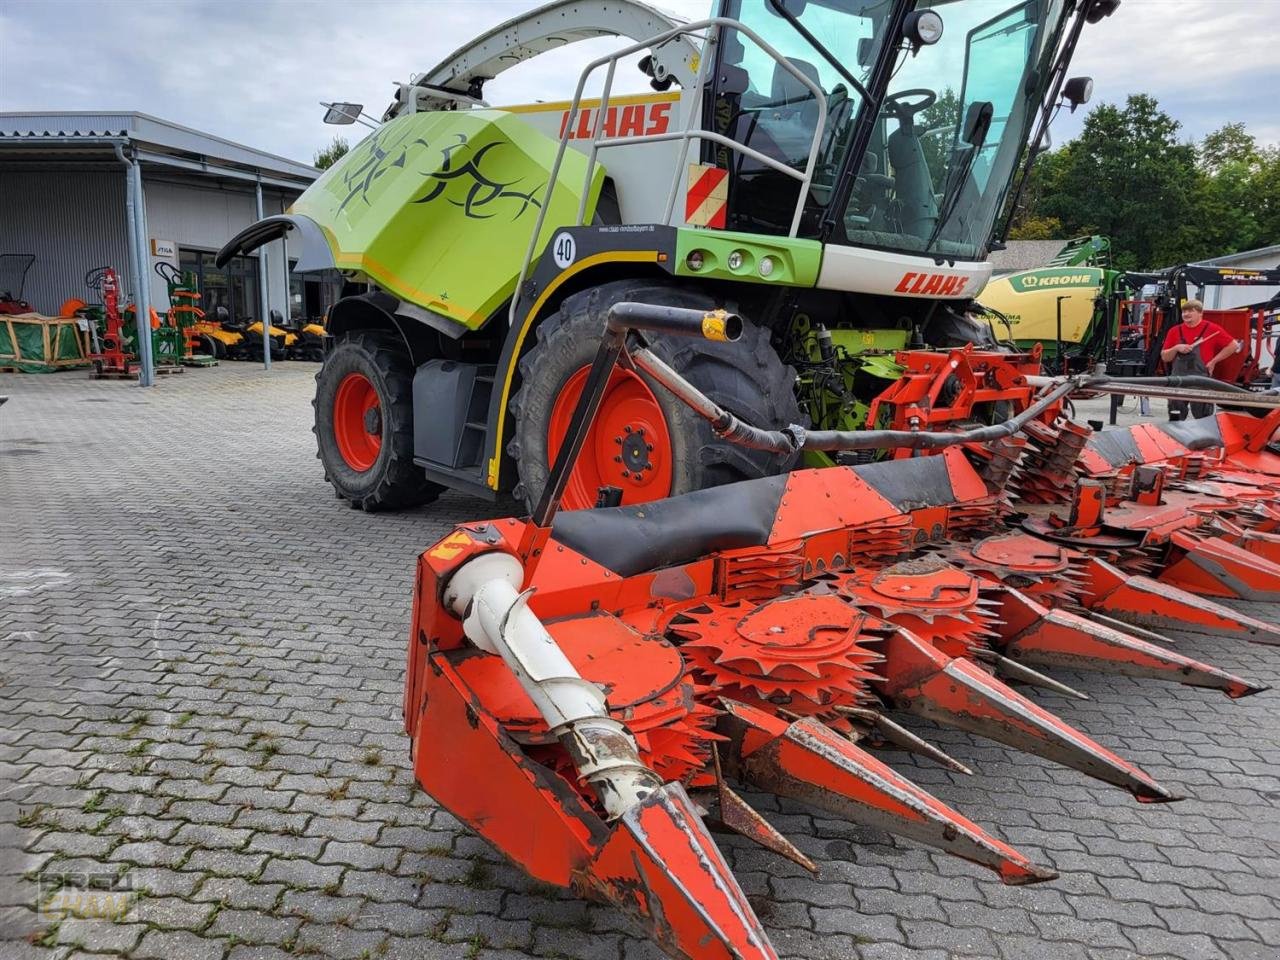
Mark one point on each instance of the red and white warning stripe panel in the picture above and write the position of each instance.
(706, 201)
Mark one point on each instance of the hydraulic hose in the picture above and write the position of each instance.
(485, 594)
(794, 438)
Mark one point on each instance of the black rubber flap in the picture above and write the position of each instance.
(647, 536)
(910, 484)
(1198, 434)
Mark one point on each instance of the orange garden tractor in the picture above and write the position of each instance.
(727, 326)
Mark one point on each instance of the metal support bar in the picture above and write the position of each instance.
(583, 415)
(135, 217)
(264, 268)
(1265, 401)
(712, 26)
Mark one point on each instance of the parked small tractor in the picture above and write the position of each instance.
(782, 481)
(13, 280)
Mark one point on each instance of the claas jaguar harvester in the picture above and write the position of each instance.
(782, 486)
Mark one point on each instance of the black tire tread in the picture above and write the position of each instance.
(748, 378)
(400, 482)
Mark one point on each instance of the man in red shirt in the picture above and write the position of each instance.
(1195, 347)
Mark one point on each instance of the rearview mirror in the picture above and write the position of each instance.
(1077, 91)
(342, 114)
(977, 122)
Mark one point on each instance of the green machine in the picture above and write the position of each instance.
(831, 171)
(1065, 307)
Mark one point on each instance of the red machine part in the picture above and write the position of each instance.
(807, 654)
(938, 390)
(929, 597)
(773, 661)
(111, 357)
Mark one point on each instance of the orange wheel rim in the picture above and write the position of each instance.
(357, 421)
(628, 445)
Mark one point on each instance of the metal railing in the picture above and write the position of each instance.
(713, 27)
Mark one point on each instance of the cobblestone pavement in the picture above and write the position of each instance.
(200, 675)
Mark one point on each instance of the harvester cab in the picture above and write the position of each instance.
(831, 171)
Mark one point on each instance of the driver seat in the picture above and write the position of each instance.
(789, 94)
(917, 205)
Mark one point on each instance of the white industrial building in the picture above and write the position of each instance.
(70, 186)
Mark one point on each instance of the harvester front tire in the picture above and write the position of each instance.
(370, 475)
(747, 378)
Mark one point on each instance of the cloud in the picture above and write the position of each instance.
(1208, 62)
(255, 71)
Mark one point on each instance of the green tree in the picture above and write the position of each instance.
(1128, 177)
(937, 127)
(1223, 217)
(1265, 196)
(1229, 145)
(1030, 221)
(1161, 200)
(331, 154)
(1038, 228)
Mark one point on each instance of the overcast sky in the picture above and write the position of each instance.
(254, 70)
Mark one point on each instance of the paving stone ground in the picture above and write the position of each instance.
(201, 654)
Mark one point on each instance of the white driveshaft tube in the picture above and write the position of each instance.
(485, 594)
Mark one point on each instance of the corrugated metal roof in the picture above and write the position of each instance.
(145, 129)
(1261, 253)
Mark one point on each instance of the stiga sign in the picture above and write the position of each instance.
(1049, 279)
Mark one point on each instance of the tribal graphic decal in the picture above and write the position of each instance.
(388, 148)
(482, 191)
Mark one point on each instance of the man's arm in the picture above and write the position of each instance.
(1172, 350)
(1233, 347)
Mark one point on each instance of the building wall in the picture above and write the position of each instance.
(202, 217)
(72, 221)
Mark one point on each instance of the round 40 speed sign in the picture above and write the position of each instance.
(564, 250)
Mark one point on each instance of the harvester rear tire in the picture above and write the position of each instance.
(389, 480)
(748, 378)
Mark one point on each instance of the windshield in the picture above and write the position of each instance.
(763, 106)
(940, 193)
(928, 181)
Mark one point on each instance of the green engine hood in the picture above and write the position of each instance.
(437, 208)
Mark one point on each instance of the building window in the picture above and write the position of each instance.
(232, 289)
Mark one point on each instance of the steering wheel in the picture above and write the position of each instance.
(898, 105)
